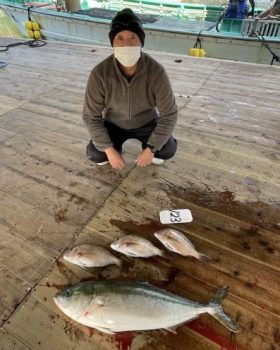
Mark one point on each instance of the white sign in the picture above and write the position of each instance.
(175, 216)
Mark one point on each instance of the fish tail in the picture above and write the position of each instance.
(218, 312)
(204, 258)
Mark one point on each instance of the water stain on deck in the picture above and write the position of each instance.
(258, 214)
(73, 197)
(60, 215)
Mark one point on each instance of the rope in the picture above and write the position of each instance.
(265, 43)
(30, 43)
(198, 41)
(28, 12)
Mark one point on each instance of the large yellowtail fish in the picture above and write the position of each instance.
(117, 306)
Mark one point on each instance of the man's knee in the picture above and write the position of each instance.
(94, 155)
(168, 150)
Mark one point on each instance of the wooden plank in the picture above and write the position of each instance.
(33, 78)
(214, 86)
(55, 137)
(57, 202)
(12, 291)
(22, 257)
(36, 225)
(47, 123)
(41, 58)
(73, 96)
(82, 185)
(185, 172)
(48, 106)
(9, 342)
(50, 173)
(24, 82)
(214, 140)
(265, 140)
(5, 134)
(7, 103)
(232, 113)
(260, 169)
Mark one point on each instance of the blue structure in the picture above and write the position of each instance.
(237, 9)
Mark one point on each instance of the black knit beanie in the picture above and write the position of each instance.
(126, 20)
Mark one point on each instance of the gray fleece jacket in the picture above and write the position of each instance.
(129, 104)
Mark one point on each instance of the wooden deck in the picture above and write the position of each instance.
(226, 171)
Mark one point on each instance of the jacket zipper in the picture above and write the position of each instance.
(129, 109)
(129, 97)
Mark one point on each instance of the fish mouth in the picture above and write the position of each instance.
(65, 306)
(58, 300)
(67, 258)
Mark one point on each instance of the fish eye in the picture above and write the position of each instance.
(68, 293)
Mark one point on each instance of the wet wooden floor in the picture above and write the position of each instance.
(226, 171)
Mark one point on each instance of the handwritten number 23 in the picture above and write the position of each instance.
(175, 216)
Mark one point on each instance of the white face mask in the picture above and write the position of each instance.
(127, 55)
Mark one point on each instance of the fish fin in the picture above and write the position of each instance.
(169, 247)
(129, 252)
(171, 329)
(104, 330)
(129, 244)
(204, 258)
(144, 282)
(132, 255)
(219, 296)
(218, 312)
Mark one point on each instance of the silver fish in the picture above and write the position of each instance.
(118, 306)
(89, 255)
(175, 241)
(136, 247)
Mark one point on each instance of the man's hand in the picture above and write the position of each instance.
(144, 158)
(115, 159)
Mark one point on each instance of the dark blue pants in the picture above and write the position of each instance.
(119, 136)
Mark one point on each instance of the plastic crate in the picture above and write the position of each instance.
(231, 25)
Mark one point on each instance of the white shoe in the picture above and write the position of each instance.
(157, 161)
(103, 163)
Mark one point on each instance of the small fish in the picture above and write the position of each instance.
(175, 241)
(88, 255)
(118, 306)
(136, 247)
